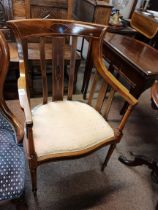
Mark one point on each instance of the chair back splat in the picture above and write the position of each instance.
(63, 129)
(48, 40)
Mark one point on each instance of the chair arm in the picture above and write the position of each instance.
(117, 86)
(25, 105)
(23, 98)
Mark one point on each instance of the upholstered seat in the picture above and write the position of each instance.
(67, 127)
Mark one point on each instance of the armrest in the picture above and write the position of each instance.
(23, 99)
(25, 105)
(117, 86)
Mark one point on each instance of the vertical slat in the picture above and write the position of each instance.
(88, 70)
(101, 96)
(43, 70)
(57, 68)
(93, 88)
(109, 102)
(72, 68)
(26, 63)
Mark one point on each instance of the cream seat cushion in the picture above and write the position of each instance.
(67, 127)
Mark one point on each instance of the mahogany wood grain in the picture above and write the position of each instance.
(141, 56)
(137, 62)
(58, 30)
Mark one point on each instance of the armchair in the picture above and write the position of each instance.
(64, 128)
(12, 161)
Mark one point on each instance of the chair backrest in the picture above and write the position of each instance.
(4, 59)
(49, 48)
(49, 9)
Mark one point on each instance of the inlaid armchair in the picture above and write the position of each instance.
(64, 128)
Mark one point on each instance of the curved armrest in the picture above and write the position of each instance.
(25, 105)
(117, 86)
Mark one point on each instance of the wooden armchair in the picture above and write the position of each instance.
(63, 128)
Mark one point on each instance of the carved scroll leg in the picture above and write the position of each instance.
(110, 151)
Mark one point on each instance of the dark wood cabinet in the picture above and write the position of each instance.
(92, 11)
(47, 9)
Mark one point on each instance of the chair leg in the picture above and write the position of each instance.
(110, 151)
(33, 172)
